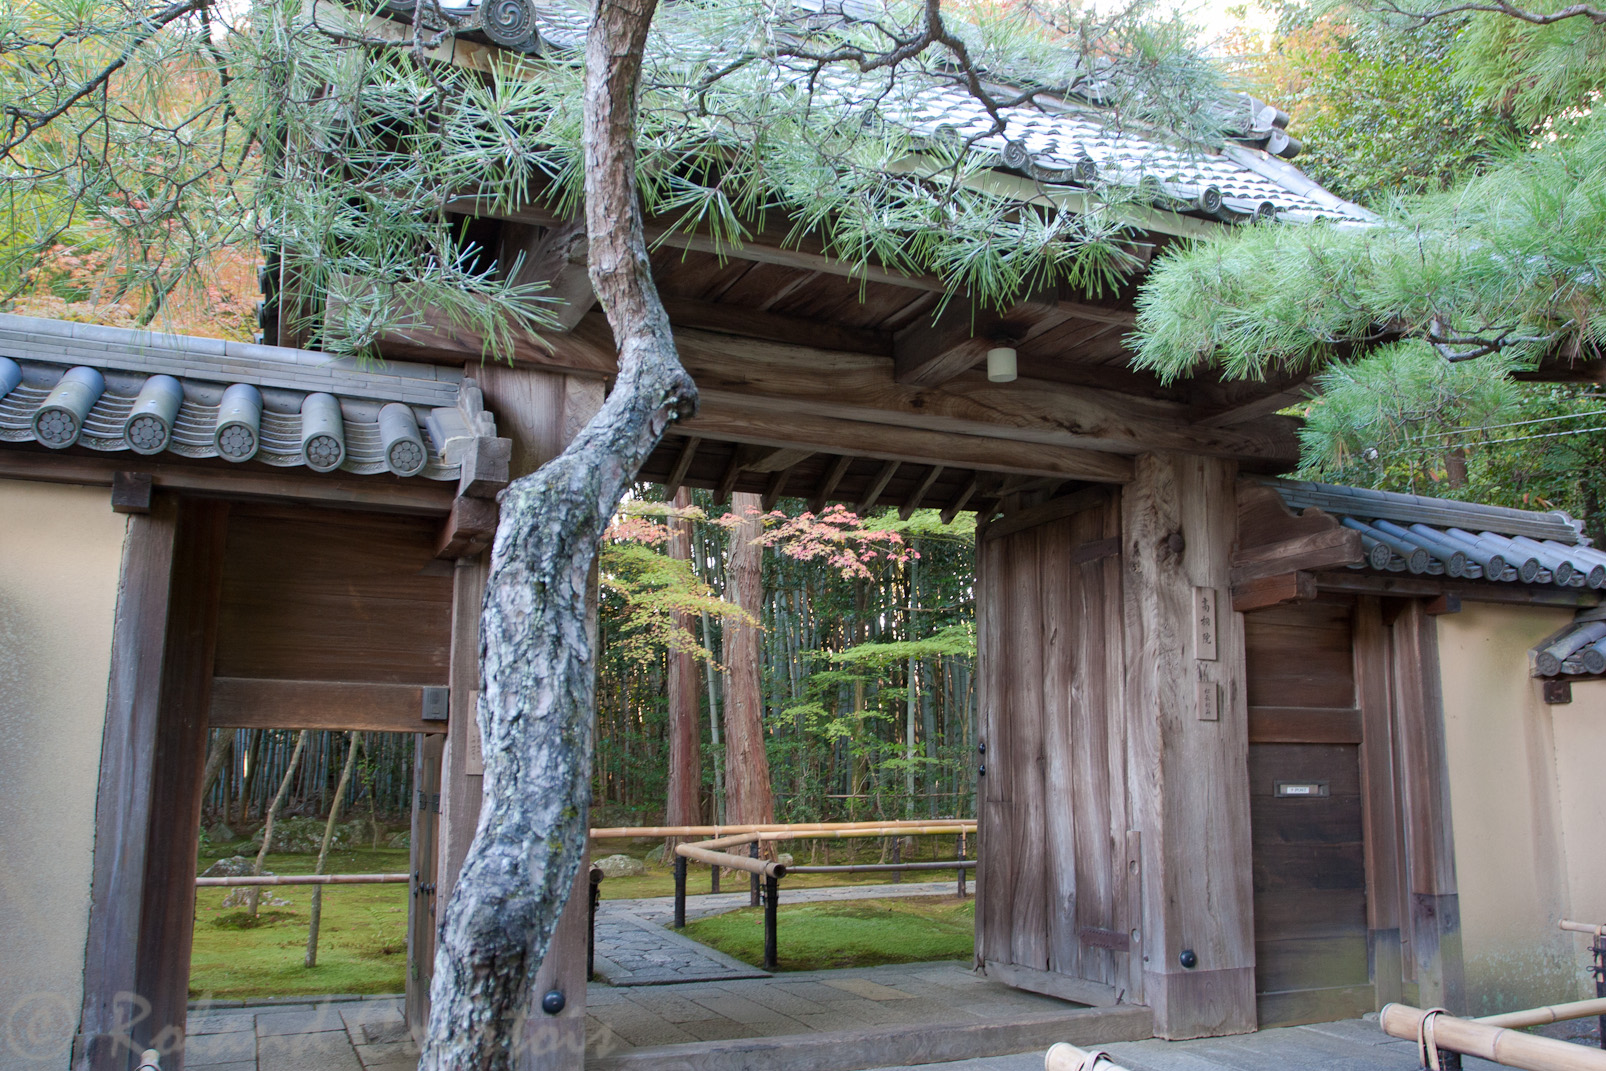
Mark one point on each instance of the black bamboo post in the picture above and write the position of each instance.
(752, 896)
(713, 879)
(680, 891)
(1599, 970)
(771, 897)
(897, 857)
(960, 855)
(596, 876)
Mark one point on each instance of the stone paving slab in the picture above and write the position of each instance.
(347, 1035)
(631, 951)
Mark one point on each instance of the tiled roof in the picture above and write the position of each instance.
(1578, 649)
(1462, 540)
(1062, 143)
(64, 384)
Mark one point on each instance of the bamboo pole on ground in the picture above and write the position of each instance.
(267, 828)
(878, 828)
(1551, 1013)
(1067, 1057)
(1503, 1046)
(323, 849)
(855, 868)
(1583, 927)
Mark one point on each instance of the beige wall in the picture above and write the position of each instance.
(1528, 841)
(60, 551)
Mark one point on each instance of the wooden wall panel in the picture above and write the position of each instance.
(330, 595)
(1311, 937)
(1029, 911)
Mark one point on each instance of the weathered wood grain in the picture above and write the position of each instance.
(1187, 794)
(423, 860)
(256, 703)
(1378, 795)
(123, 808)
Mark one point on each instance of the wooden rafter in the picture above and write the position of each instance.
(918, 495)
(677, 475)
(872, 494)
(828, 483)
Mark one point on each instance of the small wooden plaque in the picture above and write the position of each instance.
(474, 760)
(1209, 701)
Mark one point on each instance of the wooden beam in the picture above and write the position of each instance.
(247, 703)
(1304, 725)
(778, 459)
(131, 492)
(807, 381)
(1063, 986)
(484, 468)
(933, 350)
(777, 487)
(556, 257)
(1055, 509)
(1274, 590)
(727, 482)
(736, 418)
(389, 494)
(877, 485)
(677, 475)
(1380, 840)
(961, 500)
(1354, 582)
(729, 319)
(912, 503)
(468, 529)
(828, 483)
(1319, 550)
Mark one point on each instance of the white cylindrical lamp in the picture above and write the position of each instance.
(1001, 364)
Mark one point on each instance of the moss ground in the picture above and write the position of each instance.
(362, 941)
(856, 933)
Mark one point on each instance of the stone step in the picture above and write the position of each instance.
(877, 1047)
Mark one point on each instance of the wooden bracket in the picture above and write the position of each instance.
(1448, 603)
(485, 468)
(131, 492)
(1257, 594)
(1558, 692)
(468, 529)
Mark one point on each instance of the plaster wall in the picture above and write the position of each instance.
(60, 555)
(1527, 826)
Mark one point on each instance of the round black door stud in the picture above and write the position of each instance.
(554, 1001)
(1188, 959)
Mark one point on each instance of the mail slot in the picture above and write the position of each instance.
(1301, 789)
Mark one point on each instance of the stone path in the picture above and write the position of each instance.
(635, 946)
(333, 1035)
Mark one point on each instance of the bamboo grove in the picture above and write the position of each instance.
(844, 737)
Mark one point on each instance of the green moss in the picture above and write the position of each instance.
(857, 933)
(362, 942)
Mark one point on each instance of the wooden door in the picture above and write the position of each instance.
(421, 907)
(1306, 815)
(1051, 888)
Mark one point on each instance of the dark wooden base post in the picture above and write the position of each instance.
(771, 896)
(591, 923)
(680, 892)
(752, 896)
(713, 879)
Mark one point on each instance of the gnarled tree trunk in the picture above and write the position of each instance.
(538, 674)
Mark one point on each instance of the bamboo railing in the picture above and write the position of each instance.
(1552, 1013)
(303, 879)
(1435, 1030)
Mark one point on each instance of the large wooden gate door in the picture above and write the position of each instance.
(1052, 913)
(1305, 735)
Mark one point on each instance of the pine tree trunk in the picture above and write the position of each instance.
(255, 896)
(538, 664)
(323, 849)
(747, 770)
(685, 702)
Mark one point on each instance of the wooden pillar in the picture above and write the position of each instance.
(540, 411)
(148, 809)
(122, 812)
(1379, 813)
(1187, 758)
(1433, 904)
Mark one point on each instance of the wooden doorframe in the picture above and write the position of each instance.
(148, 803)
